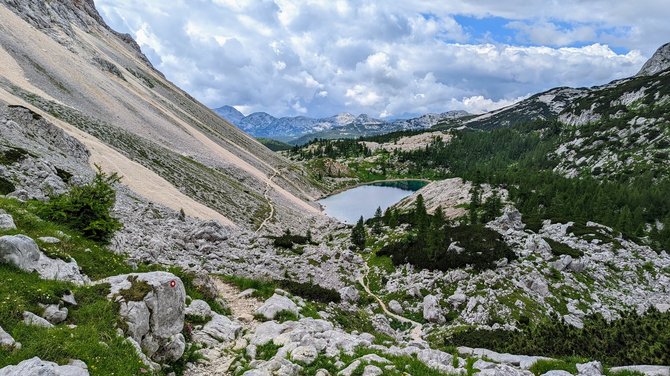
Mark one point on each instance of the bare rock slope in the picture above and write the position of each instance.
(61, 61)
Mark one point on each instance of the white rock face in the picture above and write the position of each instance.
(218, 329)
(557, 373)
(199, 308)
(431, 310)
(659, 62)
(156, 321)
(55, 314)
(6, 340)
(395, 307)
(274, 305)
(38, 367)
(371, 370)
(594, 368)
(7, 222)
(647, 370)
(22, 252)
(349, 294)
(304, 354)
(32, 319)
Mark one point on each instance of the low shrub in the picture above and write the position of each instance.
(559, 249)
(87, 208)
(632, 339)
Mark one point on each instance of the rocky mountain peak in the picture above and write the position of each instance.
(659, 62)
(56, 18)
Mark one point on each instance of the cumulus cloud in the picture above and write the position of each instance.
(317, 57)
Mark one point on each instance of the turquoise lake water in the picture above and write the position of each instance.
(364, 200)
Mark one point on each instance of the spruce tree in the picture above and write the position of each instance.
(358, 234)
(420, 214)
(475, 203)
(377, 222)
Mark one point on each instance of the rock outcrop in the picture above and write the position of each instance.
(152, 306)
(22, 252)
(659, 62)
(275, 305)
(7, 341)
(38, 367)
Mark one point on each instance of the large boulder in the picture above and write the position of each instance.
(210, 231)
(199, 308)
(152, 306)
(7, 341)
(349, 294)
(22, 252)
(395, 307)
(6, 222)
(431, 310)
(218, 329)
(38, 367)
(274, 305)
(594, 368)
(504, 370)
(55, 314)
(509, 220)
(457, 299)
(647, 370)
(32, 319)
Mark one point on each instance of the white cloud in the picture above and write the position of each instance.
(478, 104)
(321, 57)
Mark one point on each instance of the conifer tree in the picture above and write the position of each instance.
(358, 234)
(377, 222)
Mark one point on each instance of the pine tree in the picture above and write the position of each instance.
(420, 214)
(393, 219)
(309, 235)
(436, 236)
(377, 224)
(475, 203)
(492, 208)
(386, 218)
(358, 234)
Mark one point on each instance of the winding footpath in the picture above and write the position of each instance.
(266, 195)
(416, 334)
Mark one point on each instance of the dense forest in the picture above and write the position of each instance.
(633, 339)
(432, 242)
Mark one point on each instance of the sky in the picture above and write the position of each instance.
(391, 58)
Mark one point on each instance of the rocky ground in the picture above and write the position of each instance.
(283, 334)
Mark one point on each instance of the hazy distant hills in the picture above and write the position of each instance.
(301, 129)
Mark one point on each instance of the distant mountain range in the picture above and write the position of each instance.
(302, 129)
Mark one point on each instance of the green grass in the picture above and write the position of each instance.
(267, 351)
(94, 339)
(264, 288)
(558, 249)
(542, 366)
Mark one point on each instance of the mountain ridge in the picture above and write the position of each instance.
(64, 63)
(302, 129)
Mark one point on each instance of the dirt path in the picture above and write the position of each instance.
(417, 330)
(242, 310)
(266, 194)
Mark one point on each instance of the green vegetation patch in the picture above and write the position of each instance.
(93, 340)
(137, 290)
(87, 208)
(6, 186)
(266, 288)
(12, 155)
(632, 339)
(559, 249)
